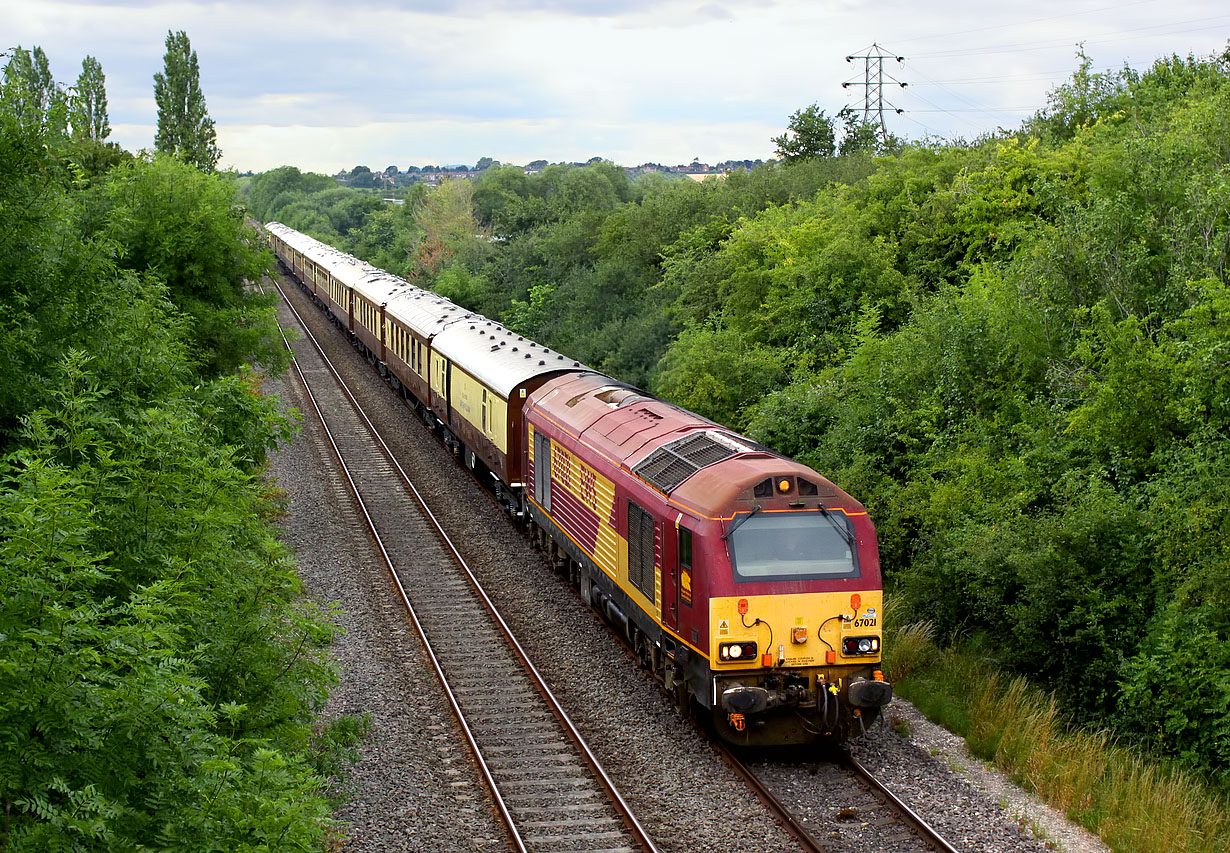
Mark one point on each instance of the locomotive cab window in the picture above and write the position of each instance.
(794, 546)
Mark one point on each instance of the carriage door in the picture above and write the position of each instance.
(542, 470)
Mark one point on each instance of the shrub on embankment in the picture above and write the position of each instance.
(159, 670)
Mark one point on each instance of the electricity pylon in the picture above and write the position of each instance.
(873, 85)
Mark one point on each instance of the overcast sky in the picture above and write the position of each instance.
(328, 85)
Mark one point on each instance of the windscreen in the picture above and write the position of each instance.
(794, 546)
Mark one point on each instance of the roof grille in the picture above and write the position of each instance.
(671, 464)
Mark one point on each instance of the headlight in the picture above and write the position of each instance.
(852, 646)
(742, 651)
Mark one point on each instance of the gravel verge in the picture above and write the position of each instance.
(990, 791)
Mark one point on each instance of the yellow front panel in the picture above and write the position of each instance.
(815, 611)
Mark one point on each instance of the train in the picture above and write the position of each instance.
(746, 583)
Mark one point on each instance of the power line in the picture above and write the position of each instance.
(1116, 35)
(1041, 75)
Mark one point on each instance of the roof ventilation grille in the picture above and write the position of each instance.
(671, 464)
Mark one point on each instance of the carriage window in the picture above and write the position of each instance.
(794, 546)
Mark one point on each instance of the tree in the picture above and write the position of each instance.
(859, 136)
(87, 110)
(31, 94)
(449, 226)
(485, 163)
(809, 134)
(184, 127)
(362, 177)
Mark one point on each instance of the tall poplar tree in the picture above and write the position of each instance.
(30, 92)
(88, 107)
(184, 127)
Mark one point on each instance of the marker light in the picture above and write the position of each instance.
(783, 485)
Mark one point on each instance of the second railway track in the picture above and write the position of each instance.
(545, 783)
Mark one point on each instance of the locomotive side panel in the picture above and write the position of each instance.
(581, 502)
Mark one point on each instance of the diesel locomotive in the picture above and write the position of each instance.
(748, 584)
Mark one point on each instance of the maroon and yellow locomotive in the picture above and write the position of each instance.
(746, 582)
(745, 579)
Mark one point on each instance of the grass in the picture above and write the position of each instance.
(1136, 805)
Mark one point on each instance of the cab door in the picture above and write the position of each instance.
(676, 573)
(670, 579)
(676, 561)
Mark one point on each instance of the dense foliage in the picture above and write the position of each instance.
(1013, 351)
(159, 671)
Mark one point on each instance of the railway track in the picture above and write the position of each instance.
(923, 830)
(527, 758)
(897, 826)
(546, 785)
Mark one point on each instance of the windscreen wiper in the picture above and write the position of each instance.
(738, 522)
(840, 528)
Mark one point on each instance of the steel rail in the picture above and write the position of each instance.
(505, 815)
(782, 814)
(924, 830)
(569, 728)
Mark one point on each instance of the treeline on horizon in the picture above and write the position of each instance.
(1015, 351)
(160, 671)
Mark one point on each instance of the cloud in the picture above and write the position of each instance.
(452, 80)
